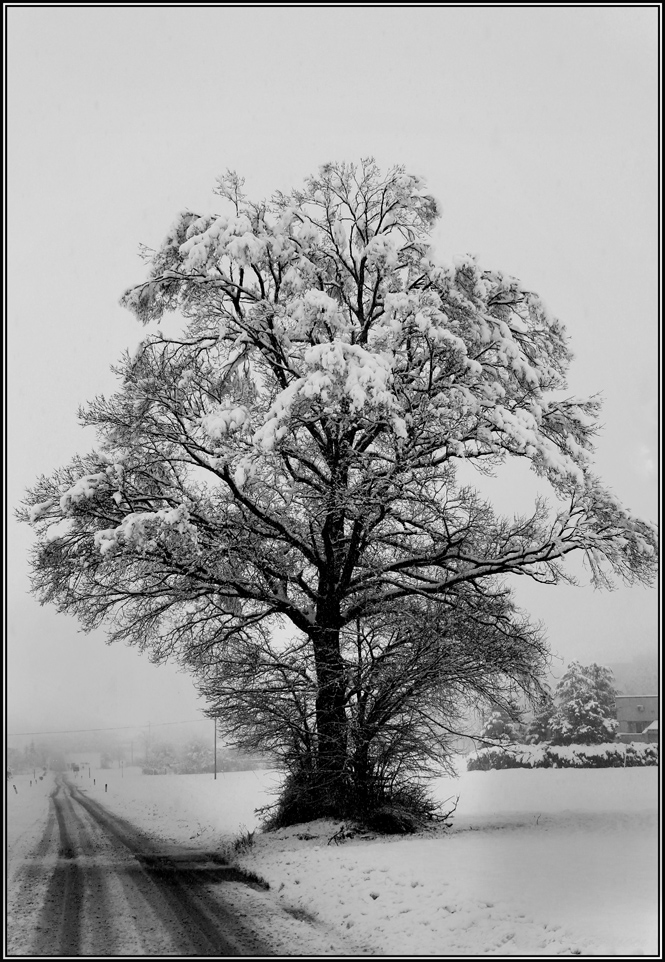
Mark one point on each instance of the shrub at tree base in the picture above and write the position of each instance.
(636, 754)
(305, 797)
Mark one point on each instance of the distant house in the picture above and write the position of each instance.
(84, 760)
(651, 731)
(637, 716)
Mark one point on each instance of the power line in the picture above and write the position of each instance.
(74, 731)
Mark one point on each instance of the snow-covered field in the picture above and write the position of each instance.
(537, 862)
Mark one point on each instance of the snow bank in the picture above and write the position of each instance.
(582, 790)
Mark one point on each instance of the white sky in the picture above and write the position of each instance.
(536, 130)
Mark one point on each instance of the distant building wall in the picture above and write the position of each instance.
(634, 714)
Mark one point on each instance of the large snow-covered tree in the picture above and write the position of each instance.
(291, 458)
(585, 706)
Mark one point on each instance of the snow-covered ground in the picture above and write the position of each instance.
(537, 862)
(27, 809)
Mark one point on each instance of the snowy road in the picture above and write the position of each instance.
(95, 885)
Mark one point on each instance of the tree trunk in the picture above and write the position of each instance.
(331, 721)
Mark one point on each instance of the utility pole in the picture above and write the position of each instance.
(215, 721)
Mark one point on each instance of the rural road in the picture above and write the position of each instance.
(95, 885)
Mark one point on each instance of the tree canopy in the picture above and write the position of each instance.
(291, 458)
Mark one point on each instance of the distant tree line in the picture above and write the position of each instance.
(194, 758)
(32, 757)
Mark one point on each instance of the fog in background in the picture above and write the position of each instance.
(536, 130)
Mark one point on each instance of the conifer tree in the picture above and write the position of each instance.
(585, 711)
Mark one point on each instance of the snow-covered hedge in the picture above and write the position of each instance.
(611, 755)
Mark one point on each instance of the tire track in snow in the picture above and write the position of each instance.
(169, 888)
(59, 927)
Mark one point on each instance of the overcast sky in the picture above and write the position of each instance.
(536, 130)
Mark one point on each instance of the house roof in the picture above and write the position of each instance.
(633, 697)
